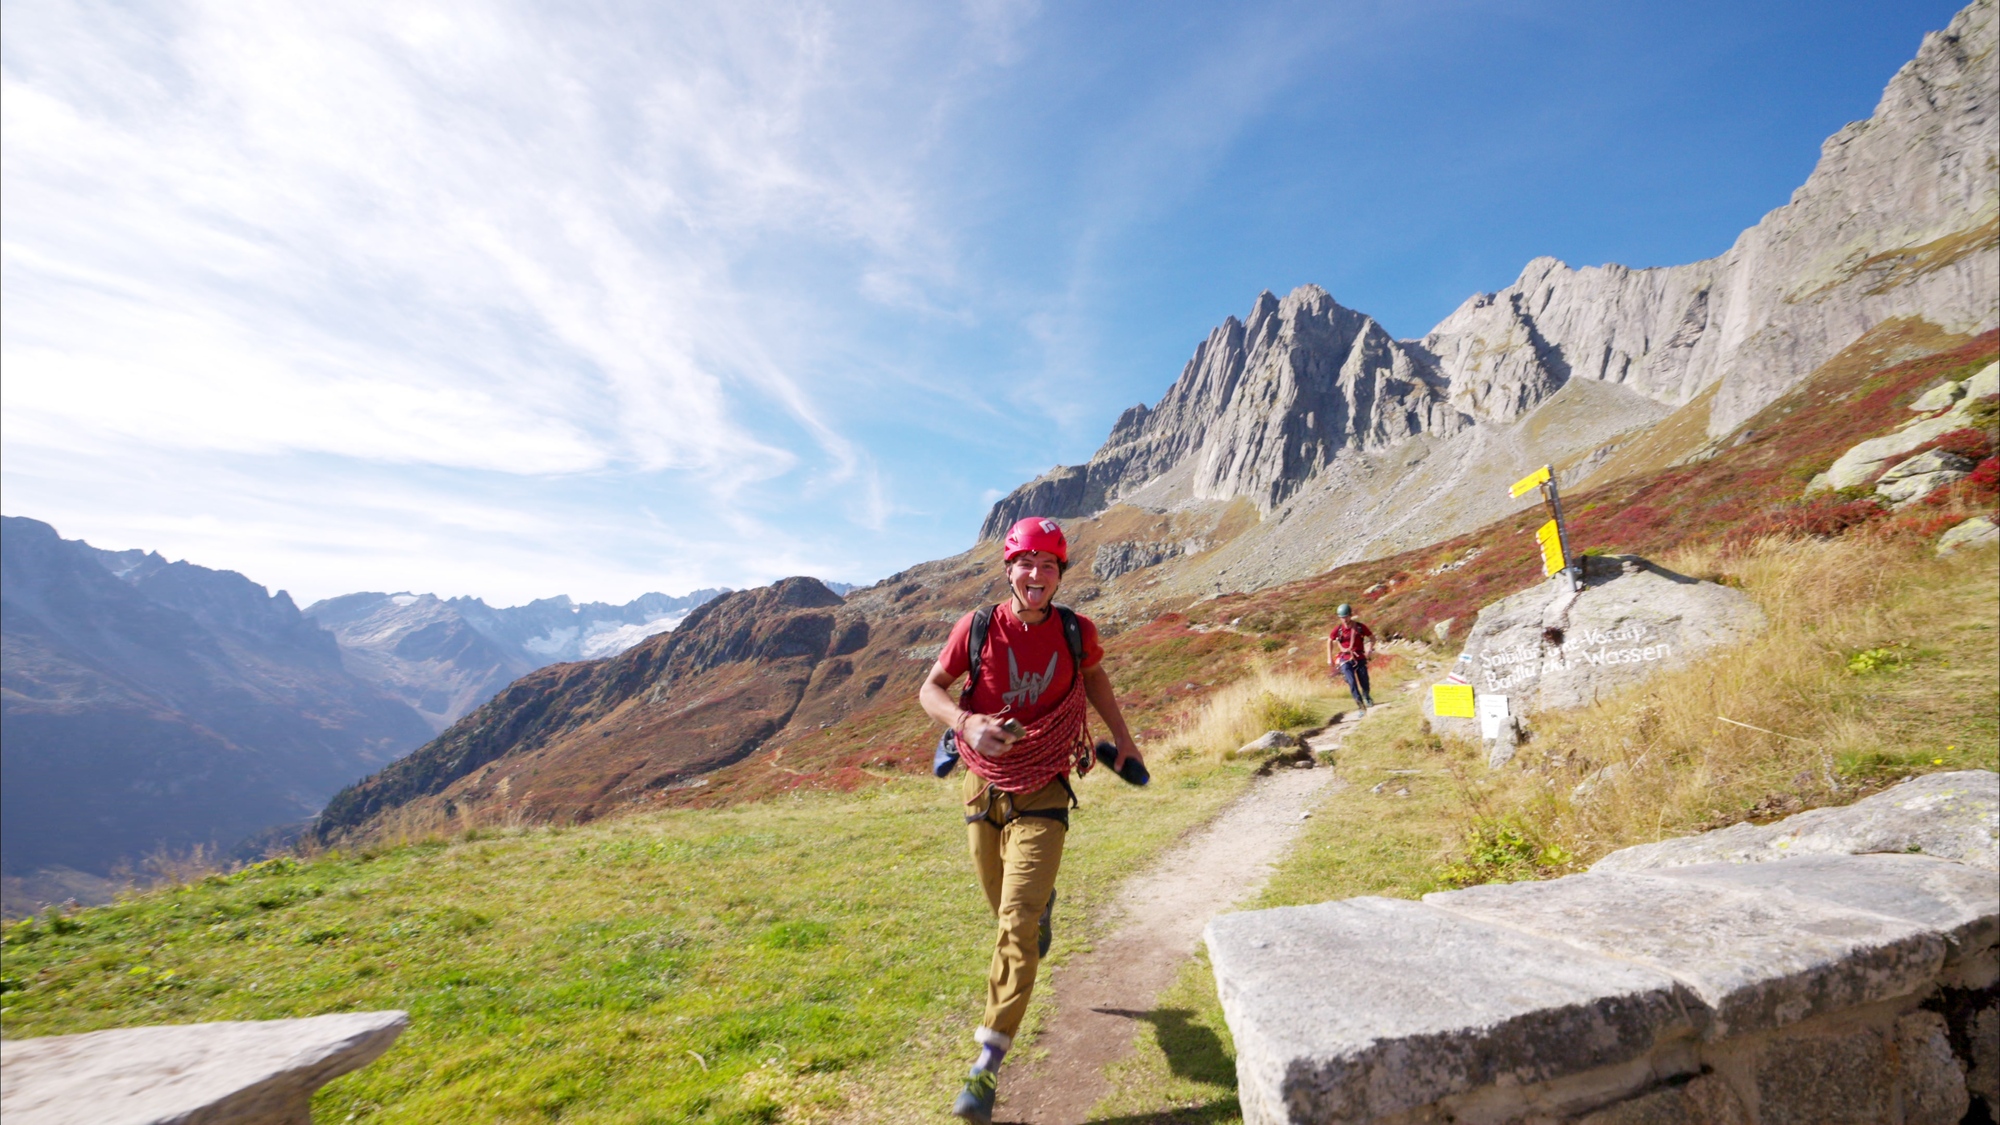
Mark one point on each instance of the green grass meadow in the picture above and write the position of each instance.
(795, 960)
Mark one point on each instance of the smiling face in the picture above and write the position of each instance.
(1034, 577)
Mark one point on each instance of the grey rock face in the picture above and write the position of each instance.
(1886, 226)
(1705, 1100)
(1954, 816)
(1867, 458)
(1933, 1080)
(421, 650)
(245, 1073)
(1983, 1078)
(1941, 397)
(1125, 556)
(1912, 480)
(1261, 406)
(1550, 647)
(1269, 741)
(1972, 534)
(1923, 464)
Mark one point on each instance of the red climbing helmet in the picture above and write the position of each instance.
(1036, 533)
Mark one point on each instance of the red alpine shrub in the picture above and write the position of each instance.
(1971, 444)
(1985, 480)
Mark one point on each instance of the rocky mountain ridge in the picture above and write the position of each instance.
(570, 740)
(1304, 400)
(154, 706)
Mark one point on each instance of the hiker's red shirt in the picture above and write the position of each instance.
(1347, 642)
(1026, 670)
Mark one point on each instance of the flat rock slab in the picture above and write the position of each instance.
(1960, 902)
(1758, 959)
(1553, 648)
(1954, 816)
(1347, 1011)
(260, 1072)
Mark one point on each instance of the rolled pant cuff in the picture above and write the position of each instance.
(987, 1037)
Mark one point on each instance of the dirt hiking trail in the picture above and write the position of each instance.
(1101, 996)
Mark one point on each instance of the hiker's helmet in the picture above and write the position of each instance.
(1345, 610)
(1036, 533)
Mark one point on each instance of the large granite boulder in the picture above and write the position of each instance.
(1972, 534)
(1551, 647)
(1955, 399)
(253, 1072)
(1911, 480)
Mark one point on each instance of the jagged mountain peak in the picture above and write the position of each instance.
(1897, 220)
(1260, 407)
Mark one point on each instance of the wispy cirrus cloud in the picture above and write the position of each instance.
(515, 298)
(503, 239)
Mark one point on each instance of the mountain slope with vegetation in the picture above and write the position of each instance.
(811, 952)
(155, 707)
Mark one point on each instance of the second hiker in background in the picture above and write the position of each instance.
(1347, 650)
(1019, 727)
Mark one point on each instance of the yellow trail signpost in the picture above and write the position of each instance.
(1553, 535)
(1553, 561)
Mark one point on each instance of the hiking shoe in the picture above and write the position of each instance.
(975, 1102)
(945, 758)
(1048, 934)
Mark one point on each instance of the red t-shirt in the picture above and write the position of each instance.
(1026, 670)
(1347, 642)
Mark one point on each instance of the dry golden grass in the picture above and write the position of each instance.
(1879, 663)
(1265, 700)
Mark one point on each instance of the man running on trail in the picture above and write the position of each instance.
(1019, 726)
(1347, 649)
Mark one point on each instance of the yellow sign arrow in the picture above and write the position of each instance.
(1552, 551)
(1530, 482)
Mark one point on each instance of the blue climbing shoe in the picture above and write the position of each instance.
(975, 1102)
(1048, 934)
(945, 758)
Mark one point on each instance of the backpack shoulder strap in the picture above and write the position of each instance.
(975, 647)
(1072, 636)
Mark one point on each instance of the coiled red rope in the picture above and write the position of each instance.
(1054, 744)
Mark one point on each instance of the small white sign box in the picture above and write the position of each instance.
(1492, 711)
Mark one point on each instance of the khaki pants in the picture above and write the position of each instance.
(1017, 862)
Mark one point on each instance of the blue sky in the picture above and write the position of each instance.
(513, 300)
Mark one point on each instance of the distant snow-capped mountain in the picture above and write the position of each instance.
(446, 656)
(153, 706)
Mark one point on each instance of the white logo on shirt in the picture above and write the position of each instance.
(1028, 688)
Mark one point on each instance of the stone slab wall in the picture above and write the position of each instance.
(249, 1072)
(1816, 988)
